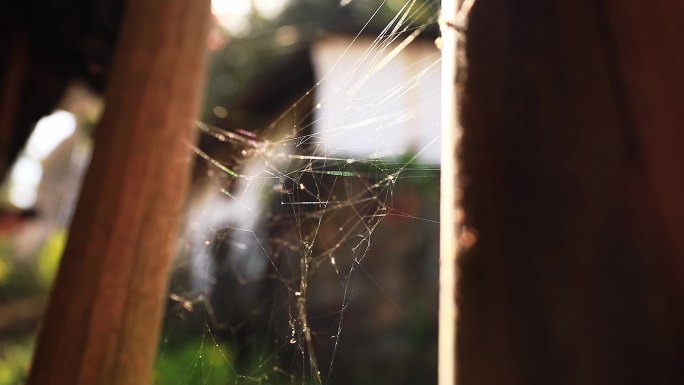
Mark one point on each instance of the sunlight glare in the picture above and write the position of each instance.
(23, 197)
(233, 15)
(24, 181)
(270, 9)
(50, 131)
(27, 171)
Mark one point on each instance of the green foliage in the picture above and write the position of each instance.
(49, 257)
(14, 362)
(30, 277)
(196, 362)
(6, 268)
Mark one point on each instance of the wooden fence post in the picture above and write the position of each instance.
(453, 23)
(103, 319)
(448, 198)
(572, 150)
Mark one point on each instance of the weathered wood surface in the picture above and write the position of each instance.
(449, 199)
(453, 22)
(571, 158)
(102, 324)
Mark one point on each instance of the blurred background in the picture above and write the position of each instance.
(329, 113)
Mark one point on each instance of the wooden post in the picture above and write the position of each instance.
(446, 365)
(103, 320)
(453, 22)
(572, 150)
(653, 81)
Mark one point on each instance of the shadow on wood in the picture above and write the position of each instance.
(570, 156)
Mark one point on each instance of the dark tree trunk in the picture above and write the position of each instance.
(103, 320)
(571, 157)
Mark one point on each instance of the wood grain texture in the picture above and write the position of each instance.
(102, 324)
(568, 161)
(649, 46)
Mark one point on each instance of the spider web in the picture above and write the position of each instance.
(287, 241)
